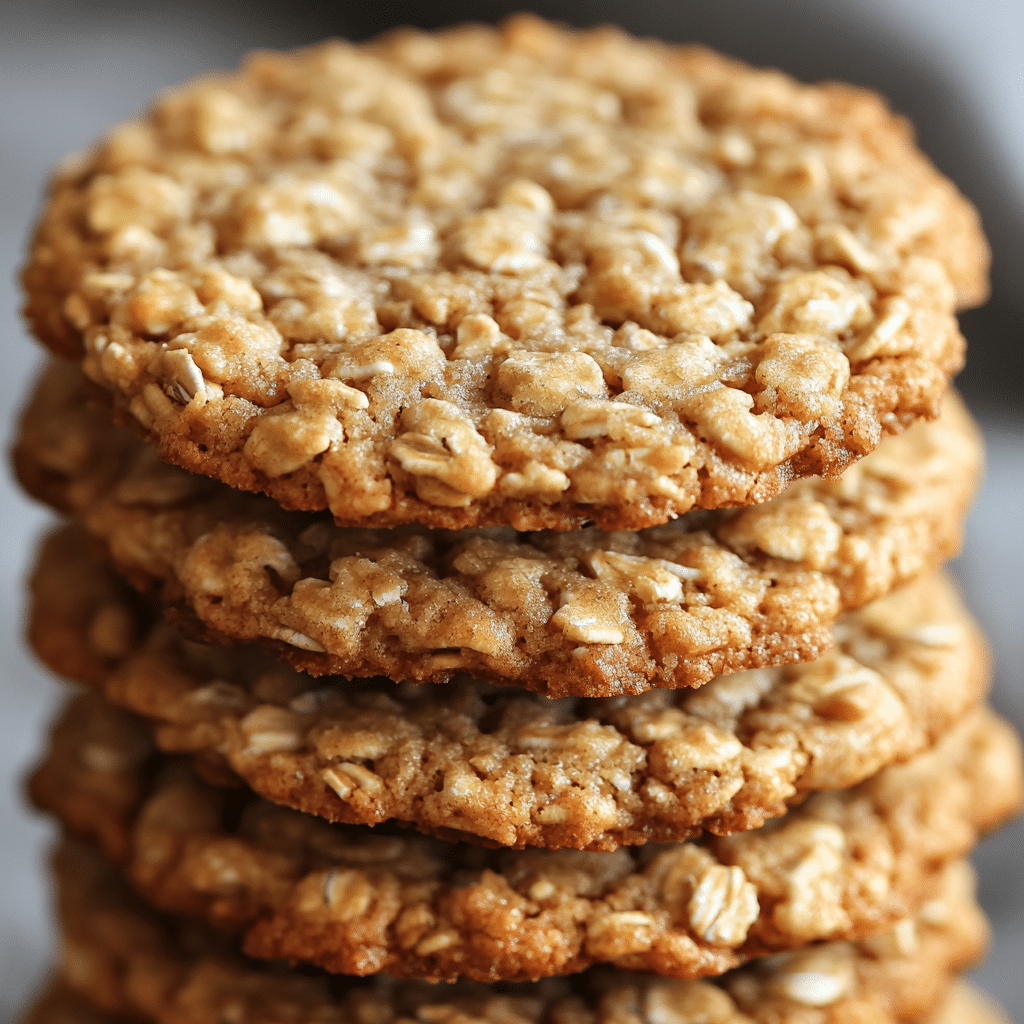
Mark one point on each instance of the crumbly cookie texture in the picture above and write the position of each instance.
(585, 613)
(122, 956)
(963, 1005)
(355, 901)
(521, 276)
(498, 766)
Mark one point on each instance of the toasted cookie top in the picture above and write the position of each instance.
(521, 276)
(121, 954)
(497, 766)
(355, 900)
(585, 613)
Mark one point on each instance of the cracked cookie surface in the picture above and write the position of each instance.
(522, 276)
(125, 958)
(841, 866)
(500, 766)
(585, 613)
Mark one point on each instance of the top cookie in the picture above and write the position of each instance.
(523, 276)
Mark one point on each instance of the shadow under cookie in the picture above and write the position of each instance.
(58, 1004)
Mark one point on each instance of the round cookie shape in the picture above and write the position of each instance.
(353, 900)
(123, 956)
(521, 276)
(586, 613)
(500, 767)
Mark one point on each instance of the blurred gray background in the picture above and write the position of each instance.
(69, 70)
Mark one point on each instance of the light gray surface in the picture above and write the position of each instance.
(67, 72)
(64, 77)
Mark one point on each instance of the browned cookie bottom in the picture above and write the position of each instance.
(357, 901)
(962, 1005)
(585, 613)
(503, 767)
(125, 958)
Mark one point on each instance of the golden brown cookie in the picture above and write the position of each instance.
(501, 766)
(125, 958)
(521, 276)
(354, 900)
(963, 1005)
(585, 613)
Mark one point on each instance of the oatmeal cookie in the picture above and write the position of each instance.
(357, 901)
(101, 776)
(962, 1005)
(510, 277)
(125, 958)
(968, 1005)
(499, 766)
(586, 613)
(58, 1004)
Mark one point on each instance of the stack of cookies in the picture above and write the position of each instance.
(506, 474)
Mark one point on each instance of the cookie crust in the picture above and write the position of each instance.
(584, 613)
(522, 276)
(125, 958)
(497, 766)
(842, 866)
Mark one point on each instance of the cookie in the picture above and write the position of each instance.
(57, 1004)
(101, 776)
(500, 766)
(586, 613)
(354, 900)
(509, 277)
(968, 1005)
(963, 1005)
(125, 958)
